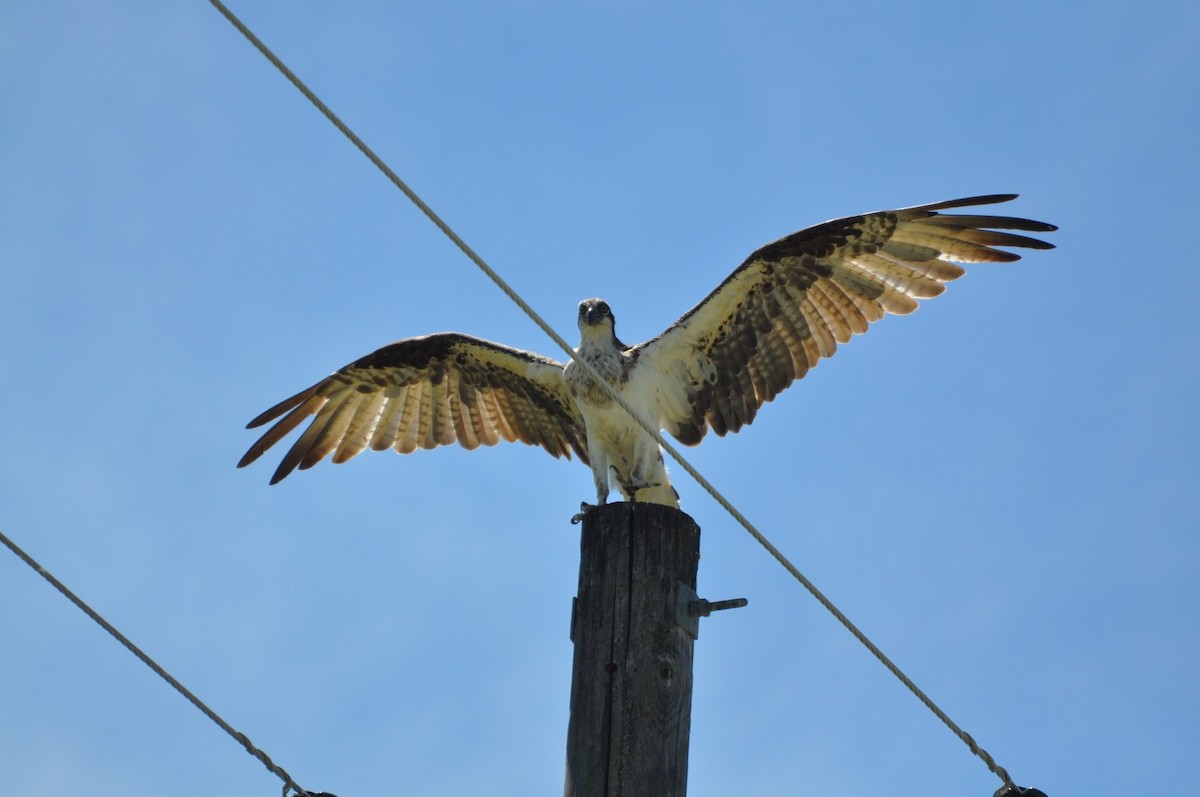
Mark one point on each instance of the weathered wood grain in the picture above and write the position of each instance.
(631, 686)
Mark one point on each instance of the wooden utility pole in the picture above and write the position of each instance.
(633, 628)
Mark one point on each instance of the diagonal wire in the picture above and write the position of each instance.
(240, 738)
(392, 176)
(758, 536)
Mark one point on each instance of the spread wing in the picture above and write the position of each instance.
(425, 392)
(792, 301)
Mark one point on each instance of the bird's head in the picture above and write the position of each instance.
(595, 313)
(596, 321)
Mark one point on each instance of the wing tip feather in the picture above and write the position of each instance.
(280, 474)
(289, 403)
(969, 201)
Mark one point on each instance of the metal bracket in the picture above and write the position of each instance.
(689, 608)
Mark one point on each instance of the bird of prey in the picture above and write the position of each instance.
(783, 309)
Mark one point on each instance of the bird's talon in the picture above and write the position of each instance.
(584, 508)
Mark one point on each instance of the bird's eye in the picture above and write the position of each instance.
(603, 308)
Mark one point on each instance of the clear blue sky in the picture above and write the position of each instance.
(1001, 489)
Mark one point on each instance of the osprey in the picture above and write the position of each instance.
(787, 306)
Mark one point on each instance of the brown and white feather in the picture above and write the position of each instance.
(426, 392)
(793, 301)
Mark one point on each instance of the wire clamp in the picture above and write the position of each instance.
(1013, 790)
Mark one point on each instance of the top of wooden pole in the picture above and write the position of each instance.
(631, 686)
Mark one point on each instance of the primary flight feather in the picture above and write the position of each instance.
(788, 305)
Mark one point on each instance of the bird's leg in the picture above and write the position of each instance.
(600, 477)
(628, 487)
(650, 477)
(636, 481)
